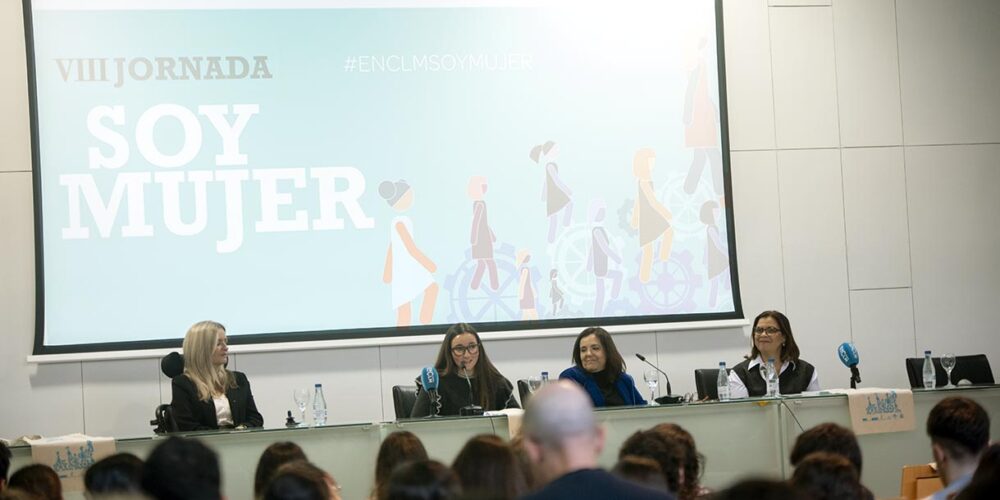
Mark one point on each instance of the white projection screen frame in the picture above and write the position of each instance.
(368, 172)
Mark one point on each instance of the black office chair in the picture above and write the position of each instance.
(705, 380)
(171, 365)
(403, 399)
(524, 390)
(974, 368)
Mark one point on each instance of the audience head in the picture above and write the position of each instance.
(421, 480)
(760, 489)
(692, 460)
(5, 457)
(831, 438)
(300, 480)
(656, 446)
(38, 480)
(959, 430)
(772, 328)
(595, 351)
(828, 476)
(560, 432)
(274, 457)
(641, 470)
(487, 465)
(524, 462)
(206, 353)
(118, 473)
(986, 480)
(397, 448)
(182, 468)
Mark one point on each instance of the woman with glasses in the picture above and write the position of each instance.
(467, 377)
(772, 339)
(600, 369)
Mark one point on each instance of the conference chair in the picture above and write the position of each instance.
(974, 368)
(705, 380)
(403, 399)
(171, 365)
(523, 390)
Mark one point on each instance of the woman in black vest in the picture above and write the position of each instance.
(772, 339)
(467, 377)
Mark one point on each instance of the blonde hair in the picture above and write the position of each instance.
(199, 343)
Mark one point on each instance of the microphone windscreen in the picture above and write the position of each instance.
(429, 378)
(640, 356)
(172, 364)
(848, 354)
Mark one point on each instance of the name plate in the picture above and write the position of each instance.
(874, 410)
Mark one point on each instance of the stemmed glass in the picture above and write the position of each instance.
(301, 396)
(652, 378)
(948, 363)
(534, 383)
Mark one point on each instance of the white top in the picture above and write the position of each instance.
(738, 390)
(223, 413)
(409, 277)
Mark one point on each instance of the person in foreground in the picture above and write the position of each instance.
(467, 376)
(960, 431)
(5, 456)
(563, 440)
(599, 368)
(182, 469)
(207, 395)
(772, 339)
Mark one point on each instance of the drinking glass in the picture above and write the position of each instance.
(652, 378)
(534, 383)
(301, 396)
(948, 363)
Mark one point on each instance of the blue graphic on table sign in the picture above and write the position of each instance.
(77, 461)
(881, 408)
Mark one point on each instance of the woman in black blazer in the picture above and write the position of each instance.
(207, 395)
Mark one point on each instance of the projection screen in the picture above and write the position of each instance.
(317, 170)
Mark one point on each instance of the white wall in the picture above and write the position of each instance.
(865, 142)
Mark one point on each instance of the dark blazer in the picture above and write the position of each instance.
(191, 414)
(625, 385)
(454, 393)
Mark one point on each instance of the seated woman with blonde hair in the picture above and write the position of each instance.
(207, 395)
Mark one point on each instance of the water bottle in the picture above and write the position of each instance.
(319, 406)
(545, 378)
(930, 376)
(722, 382)
(772, 379)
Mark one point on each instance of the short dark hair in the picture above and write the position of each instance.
(760, 489)
(790, 350)
(118, 473)
(487, 465)
(828, 476)
(397, 448)
(298, 480)
(641, 470)
(667, 452)
(5, 456)
(615, 364)
(37, 479)
(960, 426)
(182, 468)
(831, 438)
(273, 457)
(422, 480)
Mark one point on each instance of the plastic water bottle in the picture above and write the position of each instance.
(545, 378)
(772, 379)
(722, 382)
(930, 376)
(319, 406)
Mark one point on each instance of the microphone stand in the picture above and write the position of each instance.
(473, 409)
(668, 399)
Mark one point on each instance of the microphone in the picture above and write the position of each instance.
(473, 409)
(430, 381)
(668, 399)
(849, 356)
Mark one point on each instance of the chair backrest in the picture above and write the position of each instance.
(704, 382)
(403, 399)
(524, 390)
(919, 481)
(974, 368)
(172, 364)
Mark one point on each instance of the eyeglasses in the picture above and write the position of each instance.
(460, 350)
(770, 330)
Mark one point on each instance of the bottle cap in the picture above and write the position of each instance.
(927, 353)
(319, 385)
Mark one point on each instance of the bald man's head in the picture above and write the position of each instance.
(558, 412)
